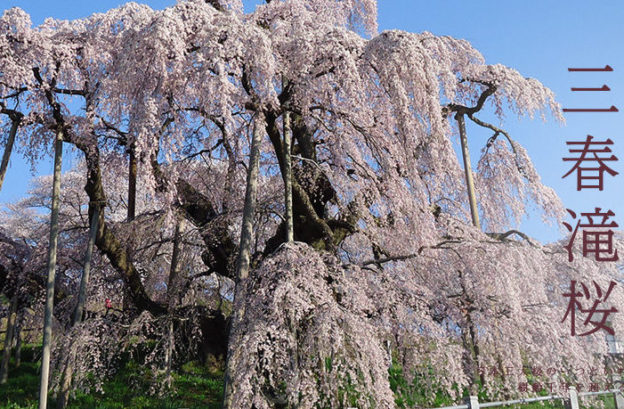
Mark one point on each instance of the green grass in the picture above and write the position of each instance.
(194, 386)
(198, 386)
(22, 387)
(414, 392)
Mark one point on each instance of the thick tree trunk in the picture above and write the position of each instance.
(84, 280)
(199, 210)
(288, 178)
(312, 228)
(54, 229)
(8, 149)
(8, 341)
(108, 243)
(244, 256)
(132, 179)
(214, 230)
(472, 198)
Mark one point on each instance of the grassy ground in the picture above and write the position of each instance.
(194, 387)
(416, 394)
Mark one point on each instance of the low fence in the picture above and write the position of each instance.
(571, 400)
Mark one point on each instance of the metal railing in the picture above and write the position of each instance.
(472, 402)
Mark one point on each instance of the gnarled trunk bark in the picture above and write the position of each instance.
(108, 243)
(316, 230)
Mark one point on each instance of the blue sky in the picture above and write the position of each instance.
(538, 38)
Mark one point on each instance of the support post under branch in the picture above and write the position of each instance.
(472, 198)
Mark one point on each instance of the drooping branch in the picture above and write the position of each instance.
(51, 98)
(498, 131)
(63, 91)
(500, 237)
(462, 109)
(402, 257)
(503, 236)
(389, 259)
